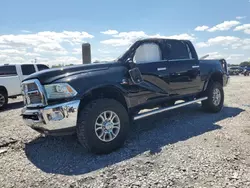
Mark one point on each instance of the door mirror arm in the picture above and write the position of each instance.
(130, 63)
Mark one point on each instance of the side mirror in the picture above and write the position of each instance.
(130, 63)
(135, 75)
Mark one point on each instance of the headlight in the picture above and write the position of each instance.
(59, 91)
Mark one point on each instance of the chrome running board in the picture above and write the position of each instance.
(157, 111)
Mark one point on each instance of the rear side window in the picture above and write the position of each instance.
(177, 50)
(8, 70)
(42, 67)
(28, 69)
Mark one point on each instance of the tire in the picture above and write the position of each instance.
(3, 99)
(210, 105)
(86, 126)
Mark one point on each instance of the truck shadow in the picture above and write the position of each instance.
(64, 155)
(13, 106)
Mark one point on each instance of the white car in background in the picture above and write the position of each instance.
(11, 76)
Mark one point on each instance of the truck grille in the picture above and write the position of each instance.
(33, 94)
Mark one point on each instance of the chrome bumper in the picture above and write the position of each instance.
(52, 119)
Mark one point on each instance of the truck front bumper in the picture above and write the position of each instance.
(58, 119)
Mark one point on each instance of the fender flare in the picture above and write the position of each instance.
(210, 77)
(117, 88)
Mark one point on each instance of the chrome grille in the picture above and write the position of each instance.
(33, 94)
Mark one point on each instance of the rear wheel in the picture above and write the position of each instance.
(3, 99)
(215, 100)
(102, 126)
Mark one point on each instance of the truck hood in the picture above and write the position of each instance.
(49, 75)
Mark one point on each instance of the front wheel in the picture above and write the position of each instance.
(102, 126)
(215, 101)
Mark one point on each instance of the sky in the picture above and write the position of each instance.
(52, 31)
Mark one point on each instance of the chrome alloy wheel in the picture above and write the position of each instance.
(107, 126)
(2, 100)
(216, 96)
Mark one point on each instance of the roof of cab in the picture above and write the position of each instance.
(159, 39)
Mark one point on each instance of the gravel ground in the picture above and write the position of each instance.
(182, 148)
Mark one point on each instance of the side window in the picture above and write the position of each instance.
(28, 69)
(42, 67)
(148, 52)
(8, 70)
(178, 50)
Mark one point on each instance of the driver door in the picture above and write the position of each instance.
(148, 58)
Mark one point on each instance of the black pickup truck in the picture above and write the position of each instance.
(98, 101)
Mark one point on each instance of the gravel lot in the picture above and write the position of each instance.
(182, 148)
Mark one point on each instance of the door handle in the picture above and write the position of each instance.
(195, 66)
(161, 69)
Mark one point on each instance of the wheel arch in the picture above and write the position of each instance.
(105, 91)
(2, 88)
(214, 77)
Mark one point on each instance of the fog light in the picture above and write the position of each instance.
(55, 116)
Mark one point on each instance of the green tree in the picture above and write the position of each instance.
(245, 63)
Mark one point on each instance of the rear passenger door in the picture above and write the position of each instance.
(183, 69)
(27, 70)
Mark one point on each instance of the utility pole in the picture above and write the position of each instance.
(86, 53)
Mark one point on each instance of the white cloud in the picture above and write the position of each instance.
(228, 43)
(12, 52)
(42, 45)
(116, 42)
(103, 51)
(240, 17)
(215, 55)
(11, 59)
(244, 27)
(223, 40)
(109, 32)
(231, 58)
(226, 25)
(220, 40)
(45, 37)
(247, 31)
(65, 60)
(3, 57)
(184, 36)
(201, 45)
(234, 56)
(102, 59)
(127, 38)
(53, 48)
(4, 46)
(25, 31)
(77, 51)
(201, 28)
(32, 54)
